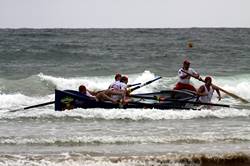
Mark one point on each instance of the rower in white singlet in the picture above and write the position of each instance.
(119, 88)
(206, 91)
(116, 84)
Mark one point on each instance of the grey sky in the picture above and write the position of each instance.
(124, 13)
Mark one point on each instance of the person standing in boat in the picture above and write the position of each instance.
(184, 78)
(205, 92)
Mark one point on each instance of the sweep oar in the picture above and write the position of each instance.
(223, 90)
(146, 83)
(33, 106)
(191, 102)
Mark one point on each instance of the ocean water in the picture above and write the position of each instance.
(35, 62)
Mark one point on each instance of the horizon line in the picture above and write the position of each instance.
(195, 27)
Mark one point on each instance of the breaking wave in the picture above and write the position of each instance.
(229, 159)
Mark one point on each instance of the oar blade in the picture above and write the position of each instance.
(19, 109)
(241, 106)
(233, 95)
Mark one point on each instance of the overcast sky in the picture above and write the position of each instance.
(124, 13)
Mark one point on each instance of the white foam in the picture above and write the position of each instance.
(126, 114)
(17, 100)
(100, 82)
(238, 85)
(168, 138)
(132, 138)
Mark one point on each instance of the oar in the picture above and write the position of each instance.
(179, 101)
(223, 90)
(33, 106)
(191, 102)
(130, 85)
(146, 83)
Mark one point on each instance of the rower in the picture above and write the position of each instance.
(205, 92)
(184, 79)
(117, 81)
(82, 89)
(119, 89)
(98, 96)
(124, 82)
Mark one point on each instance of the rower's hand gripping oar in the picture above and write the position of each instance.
(33, 106)
(223, 90)
(146, 83)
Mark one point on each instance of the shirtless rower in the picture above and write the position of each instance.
(98, 96)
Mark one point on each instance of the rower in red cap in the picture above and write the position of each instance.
(184, 78)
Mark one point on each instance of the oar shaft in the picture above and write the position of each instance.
(200, 103)
(146, 83)
(39, 105)
(179, 101)
(33, 106)
(130, 85)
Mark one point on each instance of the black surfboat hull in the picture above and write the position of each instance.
(70, 99)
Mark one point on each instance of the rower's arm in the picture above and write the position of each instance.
(195, 74)
(218, 93)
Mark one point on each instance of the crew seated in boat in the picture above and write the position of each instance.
(205, 92)
(98, 96)
(184, 79)
(115, 84)
(119, 89)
